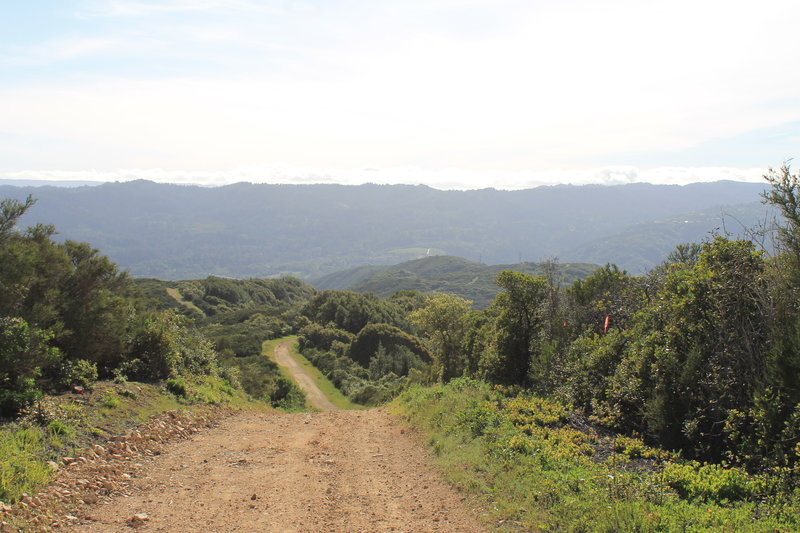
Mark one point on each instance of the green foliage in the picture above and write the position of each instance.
(398, 360)
(110, 400)
(444, 321)
(524, 459)
(352, 311)
(712, 482)
(21, 470)
(24, 354)
(78, 372)
(177, 386)
(784, 193)
(366, 387)
(609, 291)
(163, 346)
(68, 317)
(698, 350)
(517, 326)
(10, 212)
(322, 338)
(261, 379)
(365, 344)
(215, 296)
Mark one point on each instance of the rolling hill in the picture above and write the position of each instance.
(468, 279)
(259, 230)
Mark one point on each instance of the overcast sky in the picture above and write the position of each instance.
(454, 94)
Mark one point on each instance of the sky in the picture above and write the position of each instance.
(449, 93)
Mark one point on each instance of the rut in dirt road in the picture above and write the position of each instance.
(276, 472)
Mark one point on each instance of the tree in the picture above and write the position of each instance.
(785, 195)
(95, 308)
(518, 322)
(696, 351)
(10, 212)
(443, 320)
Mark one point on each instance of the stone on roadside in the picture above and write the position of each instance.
(138, 520)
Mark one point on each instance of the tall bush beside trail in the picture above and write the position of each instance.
(164, 346)
(96, 308)
(366, 343)
(592, 359)
(696, 351)
(322, 338)
(610, 292)
(24, 355)
(352, 311)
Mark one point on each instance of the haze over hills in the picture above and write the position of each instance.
(248, 230)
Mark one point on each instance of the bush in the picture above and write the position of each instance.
(177, 386)
(80, 372)
(164, 346)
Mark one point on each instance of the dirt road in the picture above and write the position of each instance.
(275, 472)
(315, 396)
(331, 471)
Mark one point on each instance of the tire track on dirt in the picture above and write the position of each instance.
(290, 472)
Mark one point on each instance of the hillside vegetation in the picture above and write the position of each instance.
(246, 230)
(71, 321)
(614, 402)
(668, 401)
(445, 274)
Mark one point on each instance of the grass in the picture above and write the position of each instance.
(328, 389)
(532, 471)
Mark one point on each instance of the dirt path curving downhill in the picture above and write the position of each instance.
(331, 471)
(334, 471)
(315, 397)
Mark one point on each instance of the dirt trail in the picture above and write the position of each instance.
(301, 472)
(315, 396)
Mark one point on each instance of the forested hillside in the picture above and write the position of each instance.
(69, 316)
(446, 274)
(246, 230)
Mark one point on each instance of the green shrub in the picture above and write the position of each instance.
(110, 400)
(711, 482)
(177, 386)
(79, 372)
(58, 428)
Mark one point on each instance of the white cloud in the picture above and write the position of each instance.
(506, 88)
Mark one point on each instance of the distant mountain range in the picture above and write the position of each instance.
(259, 230)
(468, 279)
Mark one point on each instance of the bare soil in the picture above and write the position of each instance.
(331, 471)
(299, 472)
